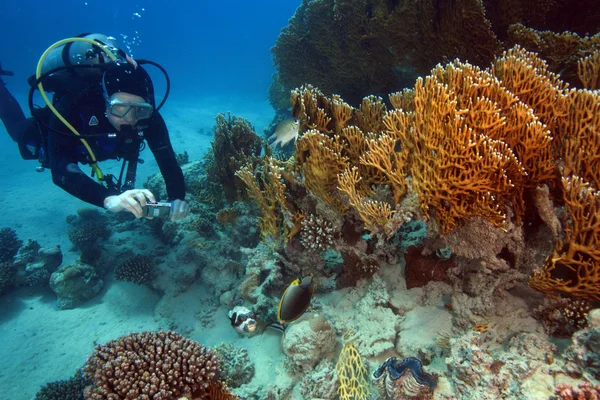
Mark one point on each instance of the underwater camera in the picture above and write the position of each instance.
(157, 210)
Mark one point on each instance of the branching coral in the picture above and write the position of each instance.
(466, 140)
(138, 269)
(321, 159)
(574, 266)
(456, 172)
(578, 136)
(316, 234)
(9, 244)
(562, 50)
(70, 389)
(588, 70)
(354, 48)
(352, 372)
(376, 215)
(584, 391)
(269, 193)
(235, 144)
(152, 365)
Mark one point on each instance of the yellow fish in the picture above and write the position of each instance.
(285, 132)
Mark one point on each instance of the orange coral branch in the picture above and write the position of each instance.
(574, 267)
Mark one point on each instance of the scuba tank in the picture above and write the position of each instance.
(77, 53)
(73, 54)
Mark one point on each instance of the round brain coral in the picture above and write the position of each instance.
(151, 365)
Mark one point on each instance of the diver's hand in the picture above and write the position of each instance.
(130, 200)
(179, 209)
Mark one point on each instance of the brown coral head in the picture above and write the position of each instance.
(227, 217)
(138, 269)
(151, 365)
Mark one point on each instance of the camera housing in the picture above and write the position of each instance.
(157, 210)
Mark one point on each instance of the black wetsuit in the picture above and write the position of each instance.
(85, 110)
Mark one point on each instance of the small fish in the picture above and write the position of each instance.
(285, 132)
(242, 319)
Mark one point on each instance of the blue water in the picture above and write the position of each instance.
(207, 46)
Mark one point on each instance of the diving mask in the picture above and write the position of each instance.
(139, 110)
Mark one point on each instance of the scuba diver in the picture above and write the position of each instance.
(103, 107)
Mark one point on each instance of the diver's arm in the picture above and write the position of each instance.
(66, 174)
(157, 136)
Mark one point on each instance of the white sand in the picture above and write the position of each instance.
(41, 343)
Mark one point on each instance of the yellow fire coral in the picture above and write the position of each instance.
(456, 172)
(574, 266)
(270, 199)
(352, 373)
(468, 139)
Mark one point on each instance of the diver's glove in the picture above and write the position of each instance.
(7, 73)
(179, 209)
(131, 200)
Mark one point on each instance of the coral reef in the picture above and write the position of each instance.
(321, 383)
(352, 372)
(466, 149)
(235, 144)
(138, 269)
(9, 244)
(31, 266)
(235, 368)
(582, 356)
(584, 391)
(7, 273)
(74, 284)
(477, 373)
(307, 342)
(34, 264)
(357, 48)
(562, 317)
(71, 389)
(151, 365)
(87, 228)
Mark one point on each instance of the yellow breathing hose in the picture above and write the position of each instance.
(38, 73)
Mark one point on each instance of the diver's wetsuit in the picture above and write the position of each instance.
(85, 110)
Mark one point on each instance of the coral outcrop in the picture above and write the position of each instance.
(138, 269)
(74, 284)
(70, 389)
(307, 342)
(152, 365)
(235, 144)
(9, 244)
(357, 48)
